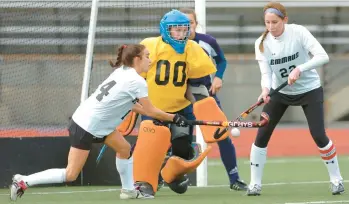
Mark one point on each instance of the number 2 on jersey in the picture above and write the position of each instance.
(284, 72)
(105, 90)
(167, 65)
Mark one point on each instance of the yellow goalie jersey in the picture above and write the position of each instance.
(169, 72)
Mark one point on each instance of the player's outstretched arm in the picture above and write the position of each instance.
(145, 107)
(138, 108)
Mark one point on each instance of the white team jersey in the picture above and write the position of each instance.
(284, 53)
(105, 109)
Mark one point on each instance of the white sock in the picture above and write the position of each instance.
(258, 158)
(45, 177)
(329, 156)
(125, 169)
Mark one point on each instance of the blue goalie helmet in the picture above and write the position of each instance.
(173, 20)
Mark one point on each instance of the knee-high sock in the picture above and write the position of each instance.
(258, 158)
(46, 177)
(125, 169)
(329, 156)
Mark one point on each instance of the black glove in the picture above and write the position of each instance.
(160, 123)
(180, 121)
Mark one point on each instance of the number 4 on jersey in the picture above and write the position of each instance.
(105, 90)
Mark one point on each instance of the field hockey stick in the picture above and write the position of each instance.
(244, 114)
(247, 124)
(100, 155)
(260, 102)
(104, 147)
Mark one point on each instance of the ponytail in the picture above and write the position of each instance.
(264, 35)
(118, 62)
(126, 54)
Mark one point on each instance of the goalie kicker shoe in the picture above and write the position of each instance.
(145, 190)
(17, 188)
(239, 185)
(130, 194)
(254, 190)
(337, 188)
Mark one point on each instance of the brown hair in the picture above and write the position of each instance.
(126, 54)
(189, 11)
(277, 6)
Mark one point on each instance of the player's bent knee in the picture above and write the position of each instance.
(119, 144)
(124, 152)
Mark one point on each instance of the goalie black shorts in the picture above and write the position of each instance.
(81, 139)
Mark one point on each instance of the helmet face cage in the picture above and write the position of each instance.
(185, 36)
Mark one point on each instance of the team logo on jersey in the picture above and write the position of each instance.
(284, 59)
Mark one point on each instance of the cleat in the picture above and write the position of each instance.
(254, 190)
(17, 188)
(239, 185)
(145, 190)
(337, 187)
(128, 194)
(143, 195)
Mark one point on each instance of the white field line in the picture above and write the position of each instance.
(279, 161)
(321, 202)
(209, 186)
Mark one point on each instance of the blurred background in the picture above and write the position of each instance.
(43, 47)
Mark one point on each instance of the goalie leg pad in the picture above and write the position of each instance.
(177, 167)
(127, 125)
(207, 109)
(150, 151)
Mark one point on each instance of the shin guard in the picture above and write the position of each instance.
(150, 151)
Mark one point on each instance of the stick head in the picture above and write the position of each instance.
(265, 119)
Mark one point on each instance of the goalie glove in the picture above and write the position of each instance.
(180, 120)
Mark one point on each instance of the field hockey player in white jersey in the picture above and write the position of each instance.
(96, 119)
(282, 53)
